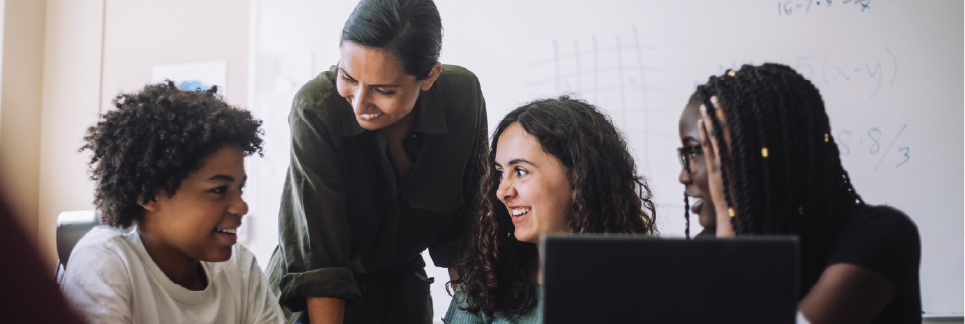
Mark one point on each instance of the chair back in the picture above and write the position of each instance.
(71, 226)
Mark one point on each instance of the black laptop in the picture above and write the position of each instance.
(639, 279)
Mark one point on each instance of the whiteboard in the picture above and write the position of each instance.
(890, 73)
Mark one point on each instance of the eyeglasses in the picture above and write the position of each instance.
(687, 154)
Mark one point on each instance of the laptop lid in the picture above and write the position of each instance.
(632, 279)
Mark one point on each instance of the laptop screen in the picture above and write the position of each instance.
(631, 279)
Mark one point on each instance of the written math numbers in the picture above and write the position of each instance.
(787, 8)
(878, 143)
(867, 75)
(833, 70)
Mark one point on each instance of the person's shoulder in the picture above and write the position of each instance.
(457, 80)
(318, 89)
(456, 314)
(103, 253)
(319, 96)
(103, 239)
(882, 218)
(458, 89)
(880, 238)
(458, 76)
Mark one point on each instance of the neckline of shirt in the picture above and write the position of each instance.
(176, 291)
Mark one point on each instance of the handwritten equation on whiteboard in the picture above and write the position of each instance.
(790, 7)
(862, 76)
(872, 144)
(835, 70)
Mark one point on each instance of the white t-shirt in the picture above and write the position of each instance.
(110, 278)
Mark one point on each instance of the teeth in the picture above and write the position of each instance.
(520, 211)
(228, 231)
(370, 116)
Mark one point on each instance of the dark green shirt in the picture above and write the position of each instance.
(345, 210)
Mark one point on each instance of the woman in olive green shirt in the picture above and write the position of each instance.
(386, 155)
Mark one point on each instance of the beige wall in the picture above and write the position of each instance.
(23, 44)
(71, 86)
(55, 82)
(141, 34)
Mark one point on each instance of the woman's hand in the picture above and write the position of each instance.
(712, 156)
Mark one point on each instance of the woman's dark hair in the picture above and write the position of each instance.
(155, 138)
(782, 159)
(410, 29)
(500, 272)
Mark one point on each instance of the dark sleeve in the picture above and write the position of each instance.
(313, 229)
(445, 251)
(882, 239)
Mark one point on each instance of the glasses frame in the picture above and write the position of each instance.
(686, 155)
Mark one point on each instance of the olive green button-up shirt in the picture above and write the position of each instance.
(344, 209)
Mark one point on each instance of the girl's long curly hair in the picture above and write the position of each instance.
(499, 272)
(799, 187)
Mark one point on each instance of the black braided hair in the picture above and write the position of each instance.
(799, 187)
(687, 215)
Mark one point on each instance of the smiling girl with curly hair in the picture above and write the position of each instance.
(557, 166)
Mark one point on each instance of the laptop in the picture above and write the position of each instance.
(599, 278)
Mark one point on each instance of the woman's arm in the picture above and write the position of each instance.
(875, 256)
(314, 234)
(324, 310)
(847, 293)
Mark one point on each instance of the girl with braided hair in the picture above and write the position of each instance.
(693, 172)
(774, 168)
(558, 166)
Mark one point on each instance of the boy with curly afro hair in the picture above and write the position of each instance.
(170, 163)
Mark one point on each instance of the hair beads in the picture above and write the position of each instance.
(774, 105)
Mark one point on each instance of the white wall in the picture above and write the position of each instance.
(141, 34)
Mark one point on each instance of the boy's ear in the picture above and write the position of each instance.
(151, 204)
